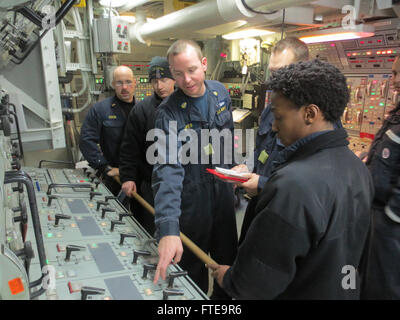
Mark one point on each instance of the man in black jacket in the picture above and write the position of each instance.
(382, 275)
(313, 215)
(135, 172)
(104, 125)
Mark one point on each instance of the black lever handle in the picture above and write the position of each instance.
(70, 248)
(125, 235)
(60, 216)
(171, 292)
(137, 253)
(85, 291)
(114, 222)
(173, 275)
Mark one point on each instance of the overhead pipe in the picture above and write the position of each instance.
(205, 14)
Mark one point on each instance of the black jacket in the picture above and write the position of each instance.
(384, 165)
(133, 164)
(312, 221)
(104, 125)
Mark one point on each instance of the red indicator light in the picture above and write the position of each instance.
(362, 42)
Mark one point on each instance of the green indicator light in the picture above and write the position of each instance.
(372, 93)
(9, 197)
(47, 261)
(366, 110)
(49, 235)
(94, 245)
(86, 179)
(382, 104)
(371, 107)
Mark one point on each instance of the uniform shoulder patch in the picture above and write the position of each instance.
(385, 153)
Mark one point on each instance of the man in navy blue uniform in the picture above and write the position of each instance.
(187, 198)
(104, 126)
(135, 171)
(382, 275)
(313, 214)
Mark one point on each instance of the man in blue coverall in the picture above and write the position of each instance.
(187, 198)
(104, 125)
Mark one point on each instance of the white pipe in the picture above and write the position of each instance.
(205, 14)
(134, 4)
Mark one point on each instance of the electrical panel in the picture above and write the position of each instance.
(65, 236)
(111, 35)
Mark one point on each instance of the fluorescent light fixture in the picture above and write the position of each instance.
(113, 3)
(337, 34)
(249, 33)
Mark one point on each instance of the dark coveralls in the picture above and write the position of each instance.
(189, 199)
(266, 156)
(133, 163)
(104, 125)
(382, 273)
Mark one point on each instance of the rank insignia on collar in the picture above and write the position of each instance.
(183, 105)
(215, 93)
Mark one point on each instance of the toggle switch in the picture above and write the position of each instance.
(101, 203)
(85, 291)
(147, 267)
(173, 275)
(171, 292)
(70, 248)
(137, 253)
(114, 222)
(51, 197)
(125, 235)
(104, 210)
(110, 198)
(96, 182)
(60, 216)
(93, 194)
(121, 215)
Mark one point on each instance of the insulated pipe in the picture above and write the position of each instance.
(135, 4)
(205, 14)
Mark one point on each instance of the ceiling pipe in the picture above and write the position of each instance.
(208, 13)
(133, 4)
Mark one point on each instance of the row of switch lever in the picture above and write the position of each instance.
(168, 292)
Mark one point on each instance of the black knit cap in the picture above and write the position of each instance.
(159, 68)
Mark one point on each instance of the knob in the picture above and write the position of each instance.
(171, 292)
(137, 253)
(147, 267)
(93, 194)
(104, 210)
(70, 248)
(60, 216)
(125, 235)
(114, 222)
(173, 275)
(85, 291)
(101, 203)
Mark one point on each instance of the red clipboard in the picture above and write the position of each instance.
(224, 177)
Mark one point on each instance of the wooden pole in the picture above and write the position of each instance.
(185, 240)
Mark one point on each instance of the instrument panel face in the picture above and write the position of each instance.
(94, 247)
